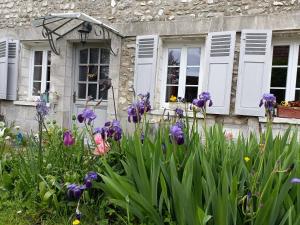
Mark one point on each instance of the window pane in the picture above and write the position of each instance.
(102, 94)
(173, 75)
(94, 55)
(174, 57)
(82, 73)
(191, 93)
(104, 72)
(36, 89)
(38, 57)
(49, 58)
(297, 95)
(193, 56)
(279, 94)
(81, 91)
(278, 78)
(48, 73)
(93, 73)
(83, 56)
(299, 56)
(104, 56)
(298, 78)
(171, 90)
(281, 55)
(192, 75)
(47, 86)
(92, 90)
(37, 73)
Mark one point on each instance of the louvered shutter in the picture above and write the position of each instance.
(3, 68)
(218, 76)
(145, 64)
(12, 77)
(254, 71)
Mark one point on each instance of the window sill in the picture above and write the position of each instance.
(280, 120)
(190, 114)
(25, 103)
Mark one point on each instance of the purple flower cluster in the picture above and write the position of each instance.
(179, 112)
(42, 108)
(86, 115)
(176, 133)
(269, 101)
(201, 102)
(111, 130)
(68, 138)
(75, 191)
(137, 109)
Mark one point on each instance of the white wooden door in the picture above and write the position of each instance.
(91, 65)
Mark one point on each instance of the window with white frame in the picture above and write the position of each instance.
(93, 67)
(285, 76)
(182, 72)
(41, 72)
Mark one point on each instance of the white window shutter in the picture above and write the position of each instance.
(254, 71)
(12, 75)
(3, 67)
(218, 76)
(145, 64)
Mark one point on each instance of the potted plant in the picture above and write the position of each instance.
(289, 109)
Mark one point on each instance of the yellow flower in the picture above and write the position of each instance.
(247, 159)
(284, 103)
(173, 98)
(76, 222)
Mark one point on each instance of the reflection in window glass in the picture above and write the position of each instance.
(281, 55)
(193, 56)
(171, 91)
(174, 57)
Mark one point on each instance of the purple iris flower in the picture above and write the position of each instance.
(86, 115)
(295, 181)
(179, 112)
(42, 108)
(269, 101)
(137, 109)
(201, 102)
(89, 177)
(68, 138)
(111, 130)
(177, 134)
(74, 191)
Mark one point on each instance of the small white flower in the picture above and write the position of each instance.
(17, 127)
(2, 132)
(7, 138)
(2, 124)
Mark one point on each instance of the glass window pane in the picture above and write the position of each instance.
(102, 94)
(38, 57)
(192, 75)
(298, 78)
(174, 57)
(82, 73)
(173, 75)
(82, 91)
(93, 73)
(171, 90)
(104, 59)
(191, 93)
(104, 72)
(279, 94)
(193, 56)
(94, 55)
(49, 58)
(278, 78)
(299, 56)
(37, 73)
(297, 95)
(36, 89)
(48, 73)
(47, 86)
(281, 55)
(92, 90)
(83, 56)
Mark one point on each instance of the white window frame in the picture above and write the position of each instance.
(292, 66)
(44, 71)
(183, 61)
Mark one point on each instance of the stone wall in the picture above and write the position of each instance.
(21, 12)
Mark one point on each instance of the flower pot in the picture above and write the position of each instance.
(288, 112)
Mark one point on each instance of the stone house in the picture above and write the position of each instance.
(235, 49)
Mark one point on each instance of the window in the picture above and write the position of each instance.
(183, 72)
(93, 66)
(285, 77)
(41, 72)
